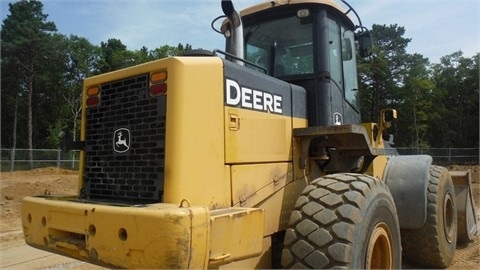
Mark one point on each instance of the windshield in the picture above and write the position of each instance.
(282, 46)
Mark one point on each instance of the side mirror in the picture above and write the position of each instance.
(390, 115)
(386, 117)
(365, 43)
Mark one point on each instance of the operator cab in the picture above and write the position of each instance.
(311, 45)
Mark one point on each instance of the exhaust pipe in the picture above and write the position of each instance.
(236, 29)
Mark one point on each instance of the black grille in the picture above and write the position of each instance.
(113, 171)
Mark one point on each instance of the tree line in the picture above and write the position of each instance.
(42, 73)
(438, 104)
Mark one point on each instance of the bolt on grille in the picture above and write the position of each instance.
(125, 143)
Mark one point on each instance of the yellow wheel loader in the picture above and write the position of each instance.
(252, 157)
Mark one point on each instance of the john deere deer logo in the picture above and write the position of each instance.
(121, 140)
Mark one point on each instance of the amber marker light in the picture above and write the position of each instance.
(93, 91)
(159, 76)
(93, 94)
(158, 86)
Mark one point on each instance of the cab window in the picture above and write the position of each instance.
(283, 46)
(349, 67)
(335, 52)
(342, 61)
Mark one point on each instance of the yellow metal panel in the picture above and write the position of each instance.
(277, 210)
(378, 164)
(297, 147)
(257, 136)
(194, 154)
(147, 236)
(377, 167)
(253, 183)
(376, 142)
(262, 261)
(63, 221)
(236, 234)
(299, 122)
(279, 206)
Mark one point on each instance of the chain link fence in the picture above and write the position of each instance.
(446, 156)
(18, 159)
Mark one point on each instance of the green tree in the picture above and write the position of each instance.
(383, 73)
(457, 82)
(26, 47)
(43, 73)
(142, 56)
(437, 104)
(167, 51)
(82, 57)
(114, 55)
(50, 109)
(415, 104)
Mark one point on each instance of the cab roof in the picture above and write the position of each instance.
(276, 3)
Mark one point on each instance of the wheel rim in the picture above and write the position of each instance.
(448, 216)
(379, 250)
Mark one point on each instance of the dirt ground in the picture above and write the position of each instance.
(14, 254)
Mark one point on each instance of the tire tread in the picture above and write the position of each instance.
(424, 246)
(339, 199)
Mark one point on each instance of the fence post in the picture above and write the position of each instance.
(58, 158)
(449, 156)
(72, 156)
(12, 161)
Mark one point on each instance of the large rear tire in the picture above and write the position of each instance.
(343, 220)
(434, 244)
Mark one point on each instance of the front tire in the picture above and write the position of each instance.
(434, 244)
(343, 220)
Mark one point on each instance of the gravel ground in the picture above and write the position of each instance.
(14, 254)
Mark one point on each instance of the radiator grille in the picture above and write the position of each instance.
(113, 172)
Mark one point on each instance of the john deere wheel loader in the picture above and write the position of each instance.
(252, 157)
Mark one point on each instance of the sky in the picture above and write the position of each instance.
(436, 27)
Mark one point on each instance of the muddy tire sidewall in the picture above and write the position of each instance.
(334, 220)
(434, 244)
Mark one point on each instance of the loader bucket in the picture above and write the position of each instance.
(467, 220)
